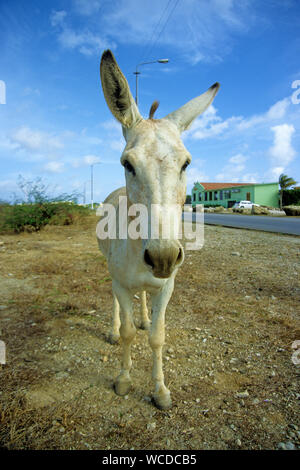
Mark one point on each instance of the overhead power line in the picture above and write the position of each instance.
(145, 57)
(156, 29)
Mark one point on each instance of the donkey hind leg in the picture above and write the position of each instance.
(161, 396)
(145, 322)
(114, 334)
(127, 331)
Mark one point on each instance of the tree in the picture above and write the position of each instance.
(284, 183)
(37, 192)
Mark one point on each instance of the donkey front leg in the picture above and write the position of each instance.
(127, 331)
(145, 322)
(114, 334)
(162, 398)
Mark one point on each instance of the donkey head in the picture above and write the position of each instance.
(154, 159)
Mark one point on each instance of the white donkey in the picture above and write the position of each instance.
(155, 160)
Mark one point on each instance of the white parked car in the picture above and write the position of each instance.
(244, 205)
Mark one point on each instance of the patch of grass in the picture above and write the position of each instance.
(105, 279)
(59, 305)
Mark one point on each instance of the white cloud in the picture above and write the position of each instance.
(114, 132)
(78, 162)
(86, 41)
(276, 111)
(87, 8)
(234, 170)
(112, 125)
(265, 136)
(214, 129)
(282, 149)
(238, 159)
(281, 152)
(27, 138)
(210, 124)
(201, 30)
(33, 140)
(91, 159)
(276, 171)
(250, 178)
(117, 144)
(195, 172)
(54, 167)
(7, 144)
(57, 17)
(207, 118)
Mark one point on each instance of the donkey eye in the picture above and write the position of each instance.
(184, 167)
(129, 167)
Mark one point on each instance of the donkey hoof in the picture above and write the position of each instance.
(162, 402)
(122, 386)
(113, 339)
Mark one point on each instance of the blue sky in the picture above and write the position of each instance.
(55, 122)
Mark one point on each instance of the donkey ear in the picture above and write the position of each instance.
(116, 91)
(184, 116)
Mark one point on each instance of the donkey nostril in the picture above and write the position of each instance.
(148, 259)
(179, 257)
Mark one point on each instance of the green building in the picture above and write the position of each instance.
(227, 194)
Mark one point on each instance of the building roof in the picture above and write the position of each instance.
(215, 186)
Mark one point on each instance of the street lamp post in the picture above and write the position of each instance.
(137, 73)
(92, 183)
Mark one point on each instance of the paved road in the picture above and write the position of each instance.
(289, 225)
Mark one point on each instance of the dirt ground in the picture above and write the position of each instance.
(228, 362)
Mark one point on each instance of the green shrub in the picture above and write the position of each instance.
(18, 216)
(291, 197)
(68, 213)
(32, 217)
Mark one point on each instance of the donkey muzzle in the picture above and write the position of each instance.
(163, 256)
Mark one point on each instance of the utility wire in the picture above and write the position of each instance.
(148, 45)
(164, 26)
(150, 48)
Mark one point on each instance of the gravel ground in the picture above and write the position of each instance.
(231, 323)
